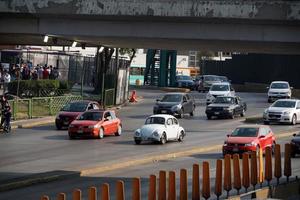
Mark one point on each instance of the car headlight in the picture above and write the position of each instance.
(250, 144)
(93, 126)
(176, 107)
(208, 108)
(71, 126)
(137, 133)
(228, 108)
(155, 133)
(286, 112)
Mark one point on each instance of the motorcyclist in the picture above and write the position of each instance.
(5, 111)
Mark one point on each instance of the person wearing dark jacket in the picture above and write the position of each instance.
(6, 111)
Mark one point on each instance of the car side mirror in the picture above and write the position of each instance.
(261, 136)
(227, 135)
(105, 119)
(294, 134)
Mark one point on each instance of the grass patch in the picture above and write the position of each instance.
(254, 120)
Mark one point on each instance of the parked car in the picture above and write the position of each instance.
(219, 89)
(295, 142)
(279, 90)
(248, 139)
(175, 104)
(283, 111)
(224, 79)
(96, 124)
(226, 106)
(204, 82)
(160, 128)
(71, 110)
(184, 81)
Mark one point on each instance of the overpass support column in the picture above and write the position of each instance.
(173, 62)
(163, 69)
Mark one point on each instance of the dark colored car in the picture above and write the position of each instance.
(226, 106)
(204, 82)
(71, 110)
(295, 142)
(175, 104)
(184, 81)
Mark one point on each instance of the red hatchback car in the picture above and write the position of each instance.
(71, 110)
(96, 124)
(248, 139)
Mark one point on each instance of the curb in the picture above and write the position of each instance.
(119, 165)
(33, 124)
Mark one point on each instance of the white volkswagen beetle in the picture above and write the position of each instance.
(159, 128)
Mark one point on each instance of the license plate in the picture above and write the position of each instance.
(235, 150)
(216, 113)
(80, 131)
(163, 111)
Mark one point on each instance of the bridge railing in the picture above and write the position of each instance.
(229, 178)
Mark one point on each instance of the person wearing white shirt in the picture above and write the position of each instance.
(6, 80)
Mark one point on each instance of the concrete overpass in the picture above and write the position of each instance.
(268, 26)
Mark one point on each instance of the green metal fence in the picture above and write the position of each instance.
(109, 97)
(38, 107)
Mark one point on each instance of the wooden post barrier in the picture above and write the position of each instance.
(206, 180)
(172, 186)
(92, 194)
(152, 188)
(277, 170)
(268, 165)
(237, 173)
(227, 174)
(183, 184)
(120, 194)
(218, 183)
(162, 186)
(77, 194)
(261, 167)
(136, 189)
(44, 197)
(253, 169)
(105, 192)
(196, 184)
(287, 161)
(246, 173)
(61, 196)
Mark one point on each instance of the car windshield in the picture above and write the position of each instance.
(185, 78)
(227, 100)
(219, 88)
(92, 116)
(223, 78)
(172, 98)
(284, 104)
(280, 86)
(211, 78)
(75, 107)
(155, 120)
(245, 132)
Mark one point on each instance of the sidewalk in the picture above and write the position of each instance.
(28, 123)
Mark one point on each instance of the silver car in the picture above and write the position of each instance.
(283, 111)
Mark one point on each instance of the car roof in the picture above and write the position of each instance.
(162, 115)
(253, 126)
(97, 110)
(177, 93)
(279, 82)
(288, 100)
(222, 83)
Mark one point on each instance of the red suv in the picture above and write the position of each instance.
(249, 138)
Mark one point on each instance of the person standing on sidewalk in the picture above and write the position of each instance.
(6, 81)
(6, 113)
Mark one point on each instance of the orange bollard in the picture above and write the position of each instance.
(152, 188)
(218, 183)
(92, 194)
(136, 189)
(277, 170)
(105, 191)
(253, 169)
(196, 184)
(77, 194)
(61, 196)
(206, 180)
(44, 197)
(260, 167)
(268, 165)
(287, 161)
(236, 173)
(172, 186)
(246, 173)
(162, 186)
(120, 194)
(183, 184)
(227, 174)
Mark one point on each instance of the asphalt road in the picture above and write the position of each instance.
(42, 149)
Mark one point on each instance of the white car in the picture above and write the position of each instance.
(283, 111)
(219, 89)
(279, 90)
(159, 128)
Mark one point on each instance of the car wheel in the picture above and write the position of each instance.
(208, 117)
(137, 141)
(243, 113)
(101, 133)
(266, 123)
(192, 113)
(294, 120)
(181, 136)
(163, 138)
(119, 131)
